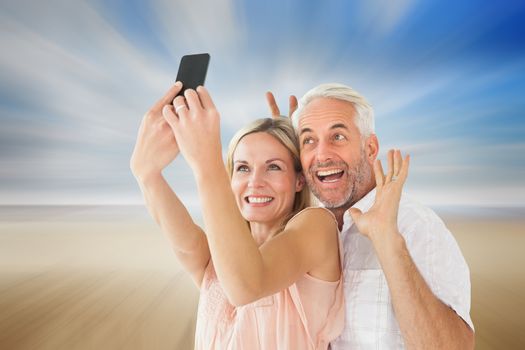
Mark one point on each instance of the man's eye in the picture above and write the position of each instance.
(308, 140)
(274, 167)
(242, 168)
(339, 137)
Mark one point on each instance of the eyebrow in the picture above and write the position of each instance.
(339, 126)
(305, 130)
(268, 161)
(274, 159)
(335, 126)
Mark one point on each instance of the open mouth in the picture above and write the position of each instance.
(258, 199)
(331, 175)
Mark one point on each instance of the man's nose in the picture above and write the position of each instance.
(323, 152)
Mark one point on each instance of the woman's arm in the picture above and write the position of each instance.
(247, 272)
(156, 147)
(187, 239)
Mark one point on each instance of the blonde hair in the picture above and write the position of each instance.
(282, 130)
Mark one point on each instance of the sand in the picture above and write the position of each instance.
(106, 278)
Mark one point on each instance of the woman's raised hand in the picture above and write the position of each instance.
(380, 221)
(156, 146)
(196, 124)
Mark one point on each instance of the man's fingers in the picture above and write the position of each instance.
(292, 105)
(205, 98)
(403, 173)
(270, 99)
(390, 159)
(168, 97)
(355, 214)
(379, 175)
(398, 162)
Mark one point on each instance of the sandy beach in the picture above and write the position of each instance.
(105, 278)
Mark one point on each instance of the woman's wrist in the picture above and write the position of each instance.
(148, 178)
(204, 169)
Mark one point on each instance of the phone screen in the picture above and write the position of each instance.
(192, 71)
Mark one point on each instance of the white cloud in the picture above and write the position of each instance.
(386, 15)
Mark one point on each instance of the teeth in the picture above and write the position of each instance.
(329, 172)
(259, 199)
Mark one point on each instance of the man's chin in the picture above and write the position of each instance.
(333, 205)
(334, 199)
(329, 202)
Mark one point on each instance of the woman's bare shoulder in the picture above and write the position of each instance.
(314, 217)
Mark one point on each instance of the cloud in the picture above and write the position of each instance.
(76, 80)
(386, 15)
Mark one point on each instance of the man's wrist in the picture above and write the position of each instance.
(389, 243)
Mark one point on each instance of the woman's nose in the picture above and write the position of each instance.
(256, 179)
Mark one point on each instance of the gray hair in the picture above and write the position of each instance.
(364, 120)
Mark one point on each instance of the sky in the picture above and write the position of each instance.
(445, 78)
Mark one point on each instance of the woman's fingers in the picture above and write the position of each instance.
(168, 112)
(168, 97)
(205, 98)
(192, 99)
(180, 107)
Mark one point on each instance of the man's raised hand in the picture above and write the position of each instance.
(274, 109)
(380, 222)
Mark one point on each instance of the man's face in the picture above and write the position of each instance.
(333, 157)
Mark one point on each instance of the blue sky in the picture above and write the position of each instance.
(446, 79)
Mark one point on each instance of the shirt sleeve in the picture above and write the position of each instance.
(438, 258)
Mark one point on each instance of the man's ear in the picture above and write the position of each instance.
(299, 182)
(371, 148)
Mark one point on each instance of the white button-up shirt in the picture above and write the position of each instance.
(370, 322)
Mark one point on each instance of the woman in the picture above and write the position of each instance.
(268, 269)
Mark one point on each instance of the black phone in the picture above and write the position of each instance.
(192, 71)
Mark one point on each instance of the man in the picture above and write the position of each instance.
(406, 281)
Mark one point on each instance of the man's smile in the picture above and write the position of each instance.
(329, 175)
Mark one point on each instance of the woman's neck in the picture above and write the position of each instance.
(262, 231)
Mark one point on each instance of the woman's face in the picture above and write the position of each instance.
(264, 180)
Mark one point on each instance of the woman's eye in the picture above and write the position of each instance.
(242, 168)
(274, 167)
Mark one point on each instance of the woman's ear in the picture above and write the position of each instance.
(299, 182)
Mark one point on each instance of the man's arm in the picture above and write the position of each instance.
(425, 321)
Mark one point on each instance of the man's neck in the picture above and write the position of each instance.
(340, 212)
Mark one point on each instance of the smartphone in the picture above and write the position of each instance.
(192, 71)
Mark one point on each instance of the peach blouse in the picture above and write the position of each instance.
(306, 315)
